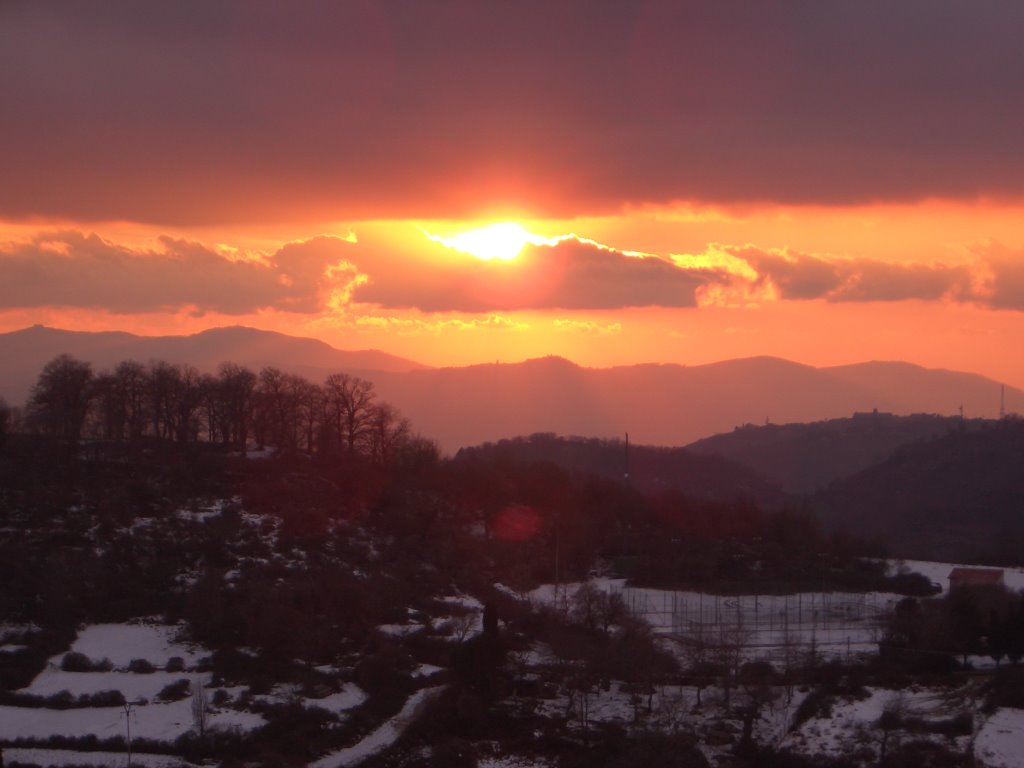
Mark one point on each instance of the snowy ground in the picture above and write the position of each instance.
(120, 644)
(512, 761)
(349, 697)
(381, 738)
(837, 624)
(463, 618)
(1000, 742)
(56, 757)
(161, 722)
(134, 686)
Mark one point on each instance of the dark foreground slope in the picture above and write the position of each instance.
(959, 497)
(646, 468)
(803, 458)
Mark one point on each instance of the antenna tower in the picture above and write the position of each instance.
(1002, 402)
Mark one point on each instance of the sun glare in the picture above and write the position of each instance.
(502, 241)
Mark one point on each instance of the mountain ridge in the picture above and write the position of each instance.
(666, 404)
(27, 350)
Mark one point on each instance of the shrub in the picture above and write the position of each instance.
(60, 700)
(175, 691)
(454, 753)
(73, 661)
(818, 703)
(101, 699)
(141, 667)
(220, 698)
(175, 664)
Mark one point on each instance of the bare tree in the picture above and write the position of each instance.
(162, 384)
(235, 385)
(200, 707)
(61, 397)
(385, 431)
(696, 645)
(347, 406)
(893, 714)
(187, 398)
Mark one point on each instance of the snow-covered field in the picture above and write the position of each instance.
(55, 757)
(834, 624)
(121, 643)
(134, 686)
(831, 623)
(1000, 742)
(150, 719)
(160, 722)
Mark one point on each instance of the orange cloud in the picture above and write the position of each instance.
(573, 273)
(587, 327)
(72, 269)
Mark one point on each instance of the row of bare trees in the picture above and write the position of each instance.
(234, 406)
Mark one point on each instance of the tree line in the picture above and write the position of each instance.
(234, 407)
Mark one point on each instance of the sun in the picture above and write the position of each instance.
(502, 241)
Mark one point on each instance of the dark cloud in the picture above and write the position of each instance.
(206, 110)
(570, 275)
(76, 270)
(803, 276)
(1004, 286)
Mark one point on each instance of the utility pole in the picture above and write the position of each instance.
(127, 706)
(625, 474)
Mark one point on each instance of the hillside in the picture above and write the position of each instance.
(352, 606)
(25, 352)
(657, 404)
(667, 404)
(959, 496)
(803, 458)
(646, 468)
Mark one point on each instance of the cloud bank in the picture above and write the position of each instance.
(205, 111)
(72, 269)
(329, 275)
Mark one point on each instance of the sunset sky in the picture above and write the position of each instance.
(829, 182)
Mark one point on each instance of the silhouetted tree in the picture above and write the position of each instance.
(347, 401)
(162, 384)
(5, 420)
(235, 386)
(186, 399)
(60, 398)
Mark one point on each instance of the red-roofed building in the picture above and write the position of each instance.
(975, 578)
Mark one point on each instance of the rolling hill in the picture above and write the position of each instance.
(25, 352)
(648, 469)
(667, 404)
(657, 404)
(803, 458)
(958, 497)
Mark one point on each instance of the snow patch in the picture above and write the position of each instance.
(383, 737)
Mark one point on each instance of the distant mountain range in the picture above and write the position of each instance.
(669, 405)
(24, 353)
